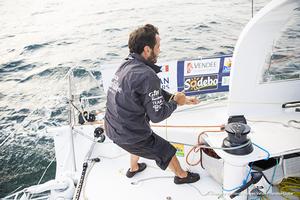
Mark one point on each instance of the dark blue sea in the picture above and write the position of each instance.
(40, 40)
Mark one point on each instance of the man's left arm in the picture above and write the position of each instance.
(188, 100)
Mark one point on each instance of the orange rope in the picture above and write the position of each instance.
(186, 126)
(199, 146)
(176, 126)
(195, 148)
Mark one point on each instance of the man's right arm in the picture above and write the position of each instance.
(157, 108)
(167, 96)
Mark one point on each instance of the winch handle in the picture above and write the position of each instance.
(255, 177)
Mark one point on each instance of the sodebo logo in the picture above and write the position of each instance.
(198, 83)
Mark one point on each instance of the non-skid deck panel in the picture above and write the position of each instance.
(107, 180)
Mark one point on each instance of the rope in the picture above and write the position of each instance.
(204, 194)
(11, 193)
(268, 154)
(293, 126)
(46, 170)
(32, 195)
(288, 125)
(92, 75)
(290, 186)
(71, 102)
(177, 126)
(22, 126)
(167, 177)
(185, 126)
(112, 158)
(203, 103)
(199, 146)
(151, 178)
(273, 176)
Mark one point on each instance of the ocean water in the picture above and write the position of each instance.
(41, 40)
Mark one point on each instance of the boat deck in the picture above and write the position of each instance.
(107, 180)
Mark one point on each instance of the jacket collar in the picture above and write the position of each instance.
(140, 58)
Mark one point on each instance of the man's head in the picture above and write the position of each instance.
(146, 42)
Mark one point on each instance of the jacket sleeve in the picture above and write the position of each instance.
(167, 96)
(156, 106)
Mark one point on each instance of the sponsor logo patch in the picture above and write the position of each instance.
(225, 80)
(114, 87)
(157, 100)
(180, 149)
(200, 83)
(164, 68)
(227, 65)
(206, 66)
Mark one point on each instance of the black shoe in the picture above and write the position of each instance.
(191, 178)
(142, 167)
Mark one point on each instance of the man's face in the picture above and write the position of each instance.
(155, 51)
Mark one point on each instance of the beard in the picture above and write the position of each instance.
(152, 58)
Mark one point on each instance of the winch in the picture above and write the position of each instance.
(237, 136)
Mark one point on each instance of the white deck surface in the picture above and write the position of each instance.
(107, 180)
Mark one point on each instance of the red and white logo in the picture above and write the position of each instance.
(165, 68)
(189, 67)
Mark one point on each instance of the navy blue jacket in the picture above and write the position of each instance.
(133, 98)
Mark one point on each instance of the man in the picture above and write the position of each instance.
(134, 98)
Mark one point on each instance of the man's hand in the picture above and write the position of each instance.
(191, 101)
(180, 98)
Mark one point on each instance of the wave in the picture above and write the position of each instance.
(34, 47)
(15, 66)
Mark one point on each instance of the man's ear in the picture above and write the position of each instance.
(147, 50)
